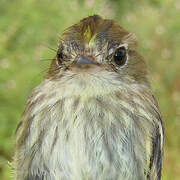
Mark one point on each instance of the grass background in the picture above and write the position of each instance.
(28, 27)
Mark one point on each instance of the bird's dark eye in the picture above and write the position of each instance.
(120, 56)
(59, 57)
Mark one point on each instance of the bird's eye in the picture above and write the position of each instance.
(59, 57)
(120, 56)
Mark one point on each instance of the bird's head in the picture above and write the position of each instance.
(95, 46)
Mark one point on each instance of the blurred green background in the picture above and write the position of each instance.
(29, 27)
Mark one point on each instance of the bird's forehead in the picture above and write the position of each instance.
(94, 33)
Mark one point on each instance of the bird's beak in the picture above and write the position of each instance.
(80, 61)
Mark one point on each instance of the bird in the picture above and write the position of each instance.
(94, 115)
